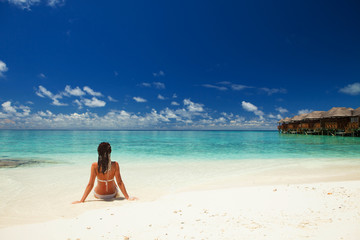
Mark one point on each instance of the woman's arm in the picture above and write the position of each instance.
(121, 183)
(90, 185)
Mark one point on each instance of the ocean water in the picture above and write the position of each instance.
(80, 147)
(55, 165)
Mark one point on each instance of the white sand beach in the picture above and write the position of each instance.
(327, 210)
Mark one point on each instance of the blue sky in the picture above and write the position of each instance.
(68, 64)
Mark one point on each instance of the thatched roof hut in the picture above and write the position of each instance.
(314, 115)
(284, 120)
(336, 121)
(287, 120)
(338, 112)
(299, 117)
(356, 112)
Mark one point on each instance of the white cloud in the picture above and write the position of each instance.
(193, 107)
(139, 99)
(155, 117)
(26, 4)
(41, 75)
(184, 115)
(25, 111)
(271, 91)
(260, 114)
(145, 84)
(55, 3)
(281, 110)
(12, 111)
(159, 85)
(238, 87)
(174, 95)
(168, 113)
(215, 87)
(77, 102)
(111, 99)
(302, 111)
(174, 103)
(182, 118)
(278, 116)
(161, 97)
(8, 108)
(92, 92)
(249, 106)
(43, 92)
(3, 115)
(351, 89)
(252, 108)
(158, 74)
(227, 115)
(74, 92)
(93, 102)
(3, 68)
(45, 114)
(56, 102)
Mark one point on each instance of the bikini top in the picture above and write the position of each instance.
(106, 182)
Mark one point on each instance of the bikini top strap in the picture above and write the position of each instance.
(106, 182)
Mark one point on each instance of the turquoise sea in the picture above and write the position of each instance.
(54, 166)
(79, 147)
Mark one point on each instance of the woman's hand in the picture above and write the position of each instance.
(132, 199)
(75, 202)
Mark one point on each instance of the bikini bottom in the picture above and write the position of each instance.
(106, 196)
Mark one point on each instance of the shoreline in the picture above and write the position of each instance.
(323, 210)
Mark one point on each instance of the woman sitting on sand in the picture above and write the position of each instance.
(105, 170)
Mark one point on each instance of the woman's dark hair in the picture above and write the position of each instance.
(104, 151)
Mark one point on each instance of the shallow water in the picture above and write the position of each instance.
(79, 147)
(155, 163)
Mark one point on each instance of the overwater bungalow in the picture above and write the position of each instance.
(354, 120)
(337, 121)
(296, 122)
(313, 122)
